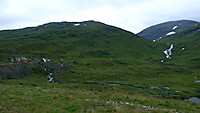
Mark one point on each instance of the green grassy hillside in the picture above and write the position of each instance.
(110, 70)
(90, 39)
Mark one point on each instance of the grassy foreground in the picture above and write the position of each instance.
(78, 94)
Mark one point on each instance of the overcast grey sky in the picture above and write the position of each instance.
(131, 15)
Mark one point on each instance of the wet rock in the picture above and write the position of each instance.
(194, 99)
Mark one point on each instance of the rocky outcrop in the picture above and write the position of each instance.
(20, 70)
(11, 71)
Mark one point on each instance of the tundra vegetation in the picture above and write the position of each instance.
(106, 69)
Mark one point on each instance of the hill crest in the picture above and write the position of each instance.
(162, 30)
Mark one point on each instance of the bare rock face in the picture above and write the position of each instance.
(20, 70)
(194, 99)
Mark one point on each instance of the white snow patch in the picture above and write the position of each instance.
(168, 52)
(157, 39)
(78, 24)
(170, 33)
(175, 27)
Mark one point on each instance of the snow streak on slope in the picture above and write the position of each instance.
(175, 27)
(170, 33)
(78, 24)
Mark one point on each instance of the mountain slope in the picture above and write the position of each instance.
(74, 39)
(186, 46)
(163, 30)
(110, 70)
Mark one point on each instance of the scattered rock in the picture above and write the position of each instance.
(131, 104)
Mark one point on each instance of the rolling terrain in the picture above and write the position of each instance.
(107, 69)
(89, 39)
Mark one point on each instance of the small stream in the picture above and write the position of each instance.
(197, 81)
(137, 86)
(165, 91)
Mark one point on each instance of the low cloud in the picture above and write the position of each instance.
(132, 15)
